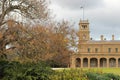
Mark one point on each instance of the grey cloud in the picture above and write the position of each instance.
(108, 19)
(76, 4)
(105, 26)
(104, 20)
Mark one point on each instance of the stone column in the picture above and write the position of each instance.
(116, 62)
(88, 62)
(81, 62)
(107, 62)
(72, 62)
(98, 62)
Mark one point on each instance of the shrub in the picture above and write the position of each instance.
(55, 64)
(101, 77)
(2, 67)
(91, 75)
(112, 76)
(40, 71)
(28, 71)
(105, 76)
(72, 74)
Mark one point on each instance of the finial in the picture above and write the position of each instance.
(112, 37)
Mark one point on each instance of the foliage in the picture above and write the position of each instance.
(12, 31)
(45, 40)
(41, 71)
(60, 43)
(79, 74)
(28, 71)
(104, 76)
(72, 74)
(51, 44)
(112, 76)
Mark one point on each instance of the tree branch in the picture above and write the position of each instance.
(3, 6)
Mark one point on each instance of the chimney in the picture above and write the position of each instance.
(102, 37)
(112, 37)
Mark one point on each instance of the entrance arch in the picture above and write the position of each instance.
(112, 62)
(85, 62)
(78, 62)
(93, 62)
(103, 62)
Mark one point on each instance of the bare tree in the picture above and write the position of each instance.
(30, 9)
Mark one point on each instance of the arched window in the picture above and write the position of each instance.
(84, 26)
(78, 62)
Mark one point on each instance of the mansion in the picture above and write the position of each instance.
(95, 53)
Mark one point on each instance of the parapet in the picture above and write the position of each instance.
(84, 21)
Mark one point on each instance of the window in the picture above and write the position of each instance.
(96, 50)
(84, 26)
(109, 50)
(116, 50)
(89, 50)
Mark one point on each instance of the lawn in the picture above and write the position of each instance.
(105, 70)
(87, 73)
(101, 70)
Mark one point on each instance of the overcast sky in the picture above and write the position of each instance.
(103, 15)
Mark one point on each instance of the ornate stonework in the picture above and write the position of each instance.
(100, 53)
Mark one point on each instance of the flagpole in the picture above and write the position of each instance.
(82, 11)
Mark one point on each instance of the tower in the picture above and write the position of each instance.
(84, 33)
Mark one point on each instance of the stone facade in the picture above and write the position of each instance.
(95, 53)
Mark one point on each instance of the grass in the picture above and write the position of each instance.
(104, 70)
(87, 74)
(100, 70)
(109, 70)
